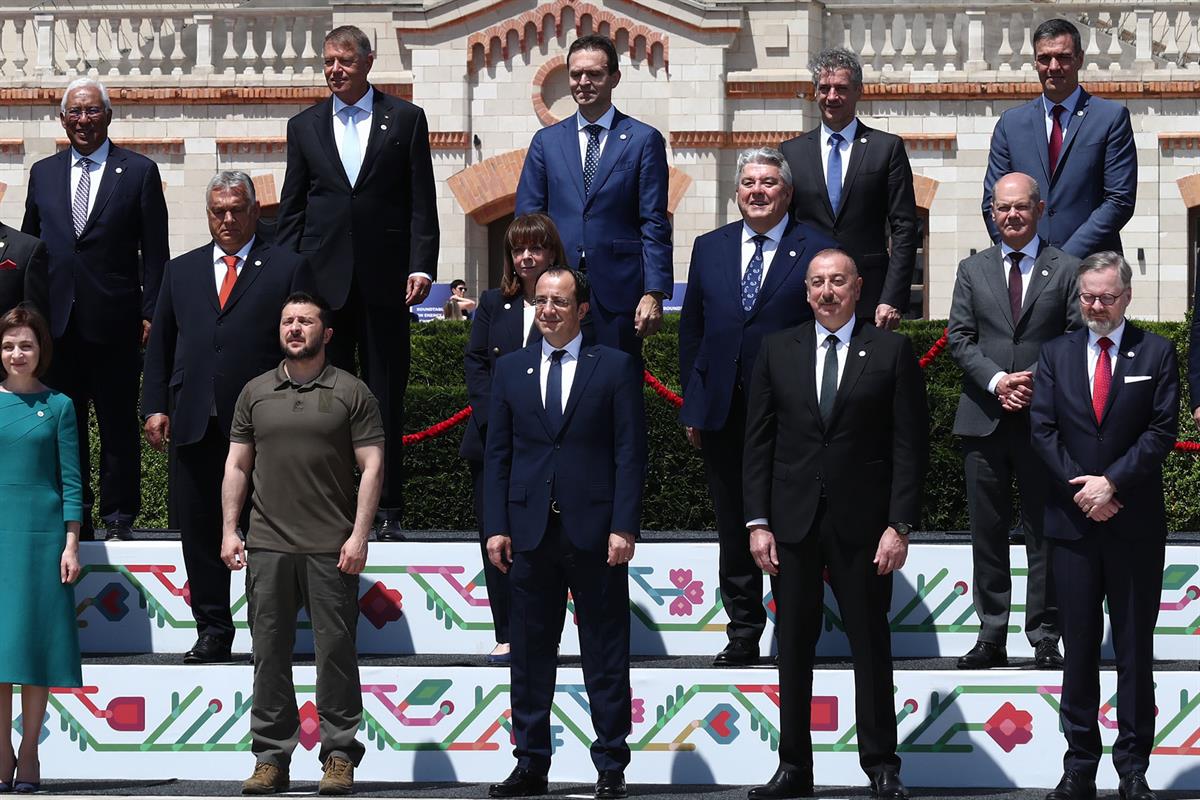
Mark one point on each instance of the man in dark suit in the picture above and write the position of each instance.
(1104, 419)
(854, 183)
(1086, 162)
(23, 269)
(566, 463)
(836, 448)
(359, 203)
(98, 207)
(746, 280)
(602, 177)
(214, 330)
(1008, 301)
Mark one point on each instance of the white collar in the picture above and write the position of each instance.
(843, 333)
(1030, 250)
(605, 121)
(243, 254)
(365, 103)
(1115, 337)
(97, 156)
(1069, 104)
(572, 347)
(848, 133)
(775, 234)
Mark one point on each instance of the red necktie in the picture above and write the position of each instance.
(230, 279)
(1103, 378)
(1055, 137)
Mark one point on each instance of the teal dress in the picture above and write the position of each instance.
(40, 491)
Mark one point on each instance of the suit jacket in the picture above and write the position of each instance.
(1135, 435)
(877, 201)
(718, 342)
(869, 462)
(984, 338)
(622, 223)
(200, 356)
(1092, 193)
(1193, 375)
(23, 269)
(385, 225)
(94, 277)
(594, 467)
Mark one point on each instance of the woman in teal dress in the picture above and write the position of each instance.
(39, 542)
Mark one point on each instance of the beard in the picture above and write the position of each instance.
(1102, 327)
(306, 352)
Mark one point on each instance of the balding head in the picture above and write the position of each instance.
(1016, 208)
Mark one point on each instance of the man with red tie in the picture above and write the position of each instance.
(1104, 419)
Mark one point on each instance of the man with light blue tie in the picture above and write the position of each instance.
(1087, 160)
(854, 184)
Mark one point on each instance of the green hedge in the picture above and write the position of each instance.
(439, 487)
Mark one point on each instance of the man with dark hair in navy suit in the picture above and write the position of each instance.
(1104, 418)
(23, 263)
(214, 330)
(564, 472)
(99, 208)
(602, 177)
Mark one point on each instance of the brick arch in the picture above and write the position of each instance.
(488, 190)
(546, 21)
(924, 188)
(1189, 190)
(539, 103)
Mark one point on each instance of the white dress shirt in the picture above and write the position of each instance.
(843, 347)
(1064, 119)
(1093, 352)
(848, 133)
(96, 170)
(1030, 251)
(219, 268)
(605, 122)
(569, 361)
(362, 123)
(768, 247)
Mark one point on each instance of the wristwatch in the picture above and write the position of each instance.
(902, 528)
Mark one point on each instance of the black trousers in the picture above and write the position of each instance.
(539, 582)
(497, 581)
(199, 469)
(376, 339)
(990, 463)
(741, 579)
(863, 600)
(106, 375)
(1127, 574)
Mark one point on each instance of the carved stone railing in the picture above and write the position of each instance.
(909, 41)
(206, 41)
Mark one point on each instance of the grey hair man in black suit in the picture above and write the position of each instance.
(1008, 301)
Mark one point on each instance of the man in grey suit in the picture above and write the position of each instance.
(1008, 300)
(1087, 162)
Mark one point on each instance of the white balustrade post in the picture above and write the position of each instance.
(1142, 42)
(43, 28)
(975, 60)
(204, 44)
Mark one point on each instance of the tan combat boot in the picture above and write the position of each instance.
(267, 779)
(338, 778)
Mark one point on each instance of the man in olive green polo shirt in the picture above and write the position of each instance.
(302, 429)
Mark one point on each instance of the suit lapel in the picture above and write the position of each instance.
(1131, 341)
(614, 148)
(858, 352)
(61, 186)
(857, 153)
(383, 113)
(787, 255)
(1077, 119)
(323, 130)
(114, 172)
(256, 262)
(531, 385)
(814, 156)
(730, 260)
(1042, 273)
(806, 341)
(995, 277)
(568, 141)
(589, 358)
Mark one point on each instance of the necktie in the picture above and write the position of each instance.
(554, 390)
(79, 206)
(1056, 136)
(753, 277)
(592, 157)
(833, 175)
(1014, 285)
(1103, 378)
(229, 280)
(829, 378)
(351, 157)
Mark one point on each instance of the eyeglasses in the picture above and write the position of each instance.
(1105, 299)
(91, 112)
(561, 303)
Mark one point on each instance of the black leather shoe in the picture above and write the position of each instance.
(738, 653)
(1133, 786)
(784, 783)
(1046, 655)
(1074, 786)
(984, 655)
(208, 650)
(389, 531)
(887, 784)
(521, 782)
(119, 531)
(1016, 535)
(610, 785)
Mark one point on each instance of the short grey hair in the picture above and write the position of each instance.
(231, 179)
(1107, 259)
(831, 60)
(768, 156)
(85, 83)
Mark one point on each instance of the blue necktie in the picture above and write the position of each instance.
(554, 390)
(591, 158)
(833, 176)
(351, 157)
(753, 277)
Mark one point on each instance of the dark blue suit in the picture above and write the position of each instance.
(1119, 561)
(97, 301)
(621, 224)
(1092, 193)
(199, 357)
(594, 469)
(718, 343)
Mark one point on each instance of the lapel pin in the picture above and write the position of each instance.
(862, 353)
(623, 137)
(1130, 354)
(1045, 272)
(120, 170)
(529, 371)
(1079, 113)
(257, 263)
(863, 140)
(41, 413)
(382, 127)
(507, 306)
(792, 253)
(2, 244)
